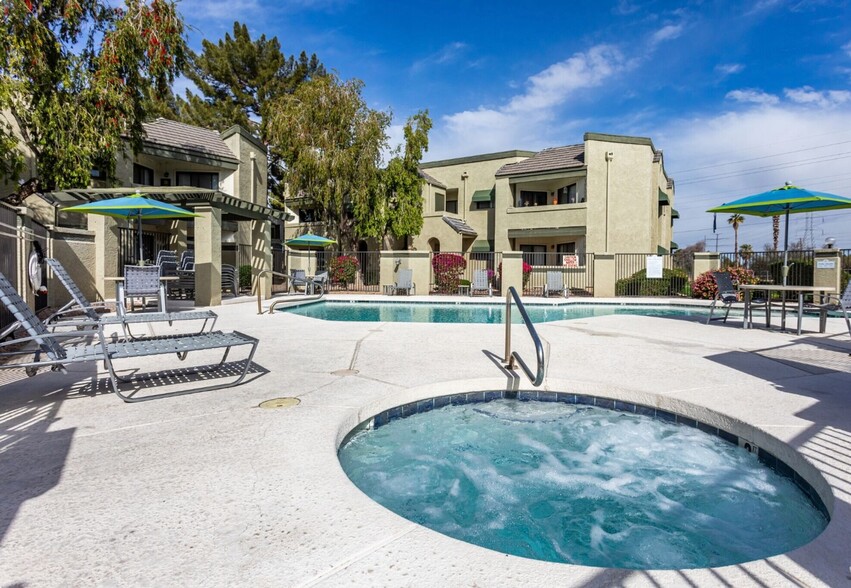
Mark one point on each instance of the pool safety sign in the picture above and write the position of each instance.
(654, 266)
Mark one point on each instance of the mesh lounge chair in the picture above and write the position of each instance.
(555, 283)
(481, 283)
(50, 352)
(230, 280)
(79, 303)
(405, 281)
(727, 294)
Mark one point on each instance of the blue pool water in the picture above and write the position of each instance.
(581, 484)
(473, 313)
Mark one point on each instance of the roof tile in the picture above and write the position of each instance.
(170, 133)
(554, 158)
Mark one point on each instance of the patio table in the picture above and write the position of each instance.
(800, 290)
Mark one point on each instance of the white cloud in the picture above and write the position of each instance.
(447, 54)
(527, 117)
(625, 8)
(824, 99)
(218, 10)
(720, 157)
(752, 96)
(728, 69)
(666, 33)
(847, 48)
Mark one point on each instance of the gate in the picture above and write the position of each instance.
(631, 276)
(363, 278)
(578, 272)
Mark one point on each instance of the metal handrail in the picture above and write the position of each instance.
(511, 356)
(259, 294)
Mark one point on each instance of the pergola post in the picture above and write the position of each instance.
(208, 256)
(261, 254)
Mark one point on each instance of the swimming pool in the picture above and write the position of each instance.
(567, 482)
(435, 312)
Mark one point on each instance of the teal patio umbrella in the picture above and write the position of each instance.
(135, 207)
(785, 200)
(309, 241)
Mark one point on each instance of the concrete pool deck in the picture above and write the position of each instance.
(210, 490)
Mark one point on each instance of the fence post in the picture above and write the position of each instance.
(705, 261)
(24, 224)
(827, 269)
(604, 275)
(261, 255)
(512, 271)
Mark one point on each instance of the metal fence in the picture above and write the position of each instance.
(631, 276)
(364, 278)
(457, 280)
(128, 246)
(8, 254)
(767, 266)
(579, 280)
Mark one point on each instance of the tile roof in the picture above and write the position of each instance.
(552, 159)
(170, 133)
(431, 179)
(459, 226)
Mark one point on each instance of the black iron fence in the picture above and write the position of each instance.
(767, 266)
(577, 272)
(631, 275)
(348, 271)
(128, 246)
(8, 254)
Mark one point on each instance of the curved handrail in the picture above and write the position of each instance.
(510, 356)
(280, 275)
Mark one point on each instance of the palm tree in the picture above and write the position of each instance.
(735, 220)
(746, 251)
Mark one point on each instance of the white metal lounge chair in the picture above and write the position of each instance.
(50, 352)
(405, 282)
(79, 303)
(297, 279)
(481, 283)
(320, 281)
(555, 283)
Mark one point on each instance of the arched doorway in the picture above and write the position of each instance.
(434, 245)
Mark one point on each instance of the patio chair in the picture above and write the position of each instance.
(834, 303)
(166, 255)
(727, 294)
(481, 283)
(79, 303)
(186, 257)
(185, 285)
(555, 283)
(295, 279)
(141, 281)
(320, 281)
(49, 350)
(405, 281)
(230, 279)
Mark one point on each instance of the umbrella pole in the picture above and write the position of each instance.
(139, 261)
(785, 269)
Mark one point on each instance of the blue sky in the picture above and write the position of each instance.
(740, 96)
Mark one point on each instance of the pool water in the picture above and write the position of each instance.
(474, 313)
(582, 485)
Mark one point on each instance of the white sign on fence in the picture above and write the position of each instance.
(654, 266)
(570, 260)
(826, 263)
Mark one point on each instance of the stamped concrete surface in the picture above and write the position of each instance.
(211, 490)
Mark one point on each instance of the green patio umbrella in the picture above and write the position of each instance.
(785, 200)
(130, 207)
(309, 241)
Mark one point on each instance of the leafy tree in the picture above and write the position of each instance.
(74, 76)
(395, 206)
(331, 143)
(684, 258)
(238, 79)
(746, 252)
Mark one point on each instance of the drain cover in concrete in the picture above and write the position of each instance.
(344, 373)
(287, 402)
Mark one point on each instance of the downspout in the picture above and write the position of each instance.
(253, 157)
(609, 157)
(464, 177)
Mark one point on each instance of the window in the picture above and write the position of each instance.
(142, 175)
(528, 198)
(439, 202)
(483, 204)
(309, 215)
(567, 194)
(198, 180)
(534, 254)
(566, 248)
(452, 206)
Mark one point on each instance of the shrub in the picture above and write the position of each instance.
(674, 282)
(704, 285)
(343, 269)
(448, 268)
(244, 276)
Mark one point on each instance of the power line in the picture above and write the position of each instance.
(682, 171)
(781, 165)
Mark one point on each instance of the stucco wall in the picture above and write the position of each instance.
(75, 250)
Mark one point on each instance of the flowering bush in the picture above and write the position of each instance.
(343, 269)
(448, 268)
(704, 285)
